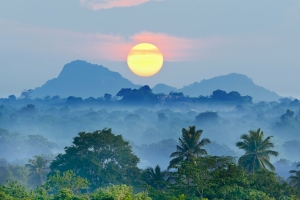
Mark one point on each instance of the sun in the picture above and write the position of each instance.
(145, 59)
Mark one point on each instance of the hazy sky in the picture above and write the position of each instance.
(199, 39)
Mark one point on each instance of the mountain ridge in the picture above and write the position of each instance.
(230, 82)
(82, 79)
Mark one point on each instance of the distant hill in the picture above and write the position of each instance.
(162, 88)
(83, 79)
(231, 82)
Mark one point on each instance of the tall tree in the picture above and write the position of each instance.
(38, 171)
(257, 151)
(203, 176)
(101, 157)
(189, 146)
(294, 179)
(26, 94)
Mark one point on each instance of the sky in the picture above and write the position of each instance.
(199, 39)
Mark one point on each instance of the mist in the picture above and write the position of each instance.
(44, 126)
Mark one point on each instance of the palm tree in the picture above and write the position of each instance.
(156, 178)
(295, 178)
(257, 151)
(38, 170)
(189, 146)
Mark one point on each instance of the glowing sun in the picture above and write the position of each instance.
(145, 59)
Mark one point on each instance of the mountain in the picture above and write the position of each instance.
(231, 82)
(83, 79)
(163, 88)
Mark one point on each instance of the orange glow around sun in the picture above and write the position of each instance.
(145, 59)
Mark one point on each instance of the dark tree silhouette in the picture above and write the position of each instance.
(156, 177)
(107, 96)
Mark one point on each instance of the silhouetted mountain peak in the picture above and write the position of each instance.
(82, 79)
(232, 79)
(163, 88)
(80, 69)
(231, 82)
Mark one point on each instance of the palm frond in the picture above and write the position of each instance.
(175, 162)
(257, 151)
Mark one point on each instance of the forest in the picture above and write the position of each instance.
(140, 145)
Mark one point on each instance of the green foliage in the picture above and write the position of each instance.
(155, 177)
(225, 179)
(261, 185)
(41, 194)
(100, 157)
(257, 151)
(189, 147)
(180, 197)
(15, 191)
(108, 162)
(141, 196)
(116, 192)
(294, 179)
(9, 172)
(68, 180)
(198, 178)
(67, 194)
(265, 181)
(215, 177)
(237, 193)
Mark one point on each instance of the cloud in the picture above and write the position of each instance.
(173, 48)
(103, 46)
(106, 4)
(179, 48)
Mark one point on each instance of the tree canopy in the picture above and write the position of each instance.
(189, 146)
(257, 151)
(101, 157)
